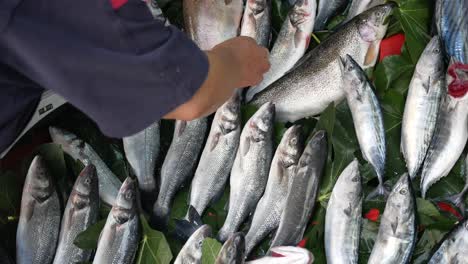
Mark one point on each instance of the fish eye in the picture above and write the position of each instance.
(87, 181)
(403, 191)
(200, 243)
(129, 195)
(437, 51)
(355, 179)
(294, 141)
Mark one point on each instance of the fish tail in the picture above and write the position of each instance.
(381, 190)
(223, 234)
(458, 200)
(184, 228)
(160, 217)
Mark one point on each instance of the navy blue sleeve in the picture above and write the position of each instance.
(122, 68)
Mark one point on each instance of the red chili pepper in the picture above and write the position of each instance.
(391, 46)
(373, 214)
(116, 4)
(446, 207)
(302, 243)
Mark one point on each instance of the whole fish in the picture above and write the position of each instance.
(328, 9)
(109, 184)
(289, 255)
(142, 150)
(317, 80)
(422, 106)
(359, 6)
(397, 232)
(81, 212)
(218, 156)
(249, 173)
(267, 215)
(39, 221)
(453, 249)
(343, 217)
(209, 23)
(290, 45)
(367, 118)
(256, 22)
(233, 250)
(302, 192)
(119, 239)
(178, 166)
(192, 250)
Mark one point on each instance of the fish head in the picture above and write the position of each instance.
(291, 146)
(257, 7)
(354, 78)
(196, 241)
(372, 24)
(39, 181)
(86, 184)
(230, 114)
(125, 206)
(233, 250)
(402, 197)
(69, 142)
(431, 61)
(302, 15)
(352, 173)
(262, 122)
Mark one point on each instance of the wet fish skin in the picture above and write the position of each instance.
(178, 166)
(453, 247)
(81, 212)
(119, 239)
(256, 22)
(290, 45)
(109, 184)
(422, 106)
(249, 173)
(359, 6)
(327, 10)
(343, 217)
(305, 184)
(397, 232)
(316, 81)
(192, 250)
(39, 221)
(268, 212)
(218, 156)
(367, 118)
(233, 250)
(290, 255)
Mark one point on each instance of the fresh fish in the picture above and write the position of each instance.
(454, 247)
(249, 173)
(267, 215)
(209, 23)
(119, 239)
(39, 221)
(459, 199)
(397, 232)
(142, 150)
(109, 184)
(289, 255)
(343, 217)
(291, 43)
(317, 80)
(359, 6)
(256, 22)
(218, 156)
(178, 166)
(302, 192)
(191, 253)
(367, 118)
(328, 9)
(81, 212)
(233, 251)
(422, 106)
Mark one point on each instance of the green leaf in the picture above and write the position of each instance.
(89, 238)
(211, 249)
(369, 232)
(10, 196)
(429, 239)
(154, 248)
(426, 208)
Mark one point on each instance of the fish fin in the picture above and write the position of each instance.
(29, 212)
(185, 228)
(427, 85)
(246, 146)
(348, 210)
(182, 126)
(298, 36)
(215, 141)
(193, 216)
(394, 225)
(372, 53)
(379, 191)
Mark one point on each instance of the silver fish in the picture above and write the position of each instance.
(191, 253)
(422, 106)
(218, 156)
(209, 23)
(397, 232)
(39, 221)
(109, 184)
(327, 9)
(233, 250)
(256, 22)
(81, 212)
(142, 150)
(316, 81)
(178, 166)
(343, 217)
(359, 6)
(267, 215)
(291, 43)
(119, 239)
(249, 173)
(367, 118)
(289, 255)
(454, 247)
(302, 192)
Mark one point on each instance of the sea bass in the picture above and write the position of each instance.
(119, 239)
(290, 45)
(422, 106)
(256, 22)
(327, 9)
(317, 80)
(178, 166)
(302, 192)
(39, 221)
(192, 250)
(81, 212)
(454, 247)
(267, 215)
(109, 184)
(289, 255)
(233, 250)
(343, 217)
(249, 173)
(397, 232)
(359, 6)
(367, 118)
